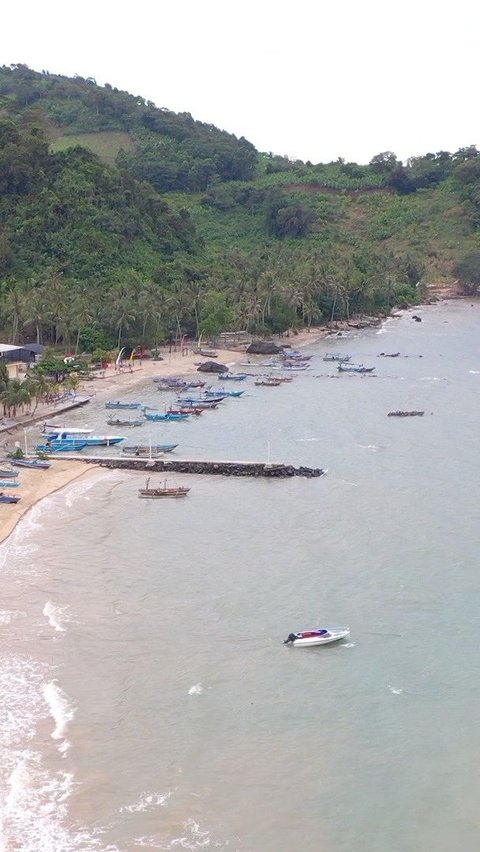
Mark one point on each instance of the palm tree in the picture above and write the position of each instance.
(122, 309)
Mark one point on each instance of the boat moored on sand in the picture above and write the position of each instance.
(317, 636)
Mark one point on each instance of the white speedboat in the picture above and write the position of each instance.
(318, 636)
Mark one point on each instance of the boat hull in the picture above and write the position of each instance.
(325, 639)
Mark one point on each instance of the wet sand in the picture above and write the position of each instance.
(36, 484)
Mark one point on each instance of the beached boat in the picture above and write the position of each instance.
(88, 440)
(9, 483)
(232, 377)
(61, 446)
(145, 449)
(223, 392)
(10, 474)
(318, 636)
(39, 464)
(292, 365)
(9, 498)
(69, 431)
(405, 414)
(155, 416)
(115, 421)
(131, 406)
(354, 368)
(335, 356)
(163, 491)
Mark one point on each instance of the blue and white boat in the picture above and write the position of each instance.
(233, 377)
(87, 440)
(9, 483)
(210, 392)
(336, 356)
(168, 415)
(208, 401)
(55, 446)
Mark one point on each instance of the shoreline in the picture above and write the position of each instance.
(40, 484)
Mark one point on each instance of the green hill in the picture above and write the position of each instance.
(128, 221)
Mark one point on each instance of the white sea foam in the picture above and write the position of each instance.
(57, 615)
(474, 372)
(197, 689)
(7, 615)
(61, 710)
(395, 691)
(194, 837)
(303, 440)
(148, 802)
(349, 645)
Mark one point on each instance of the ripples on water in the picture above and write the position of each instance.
(147, 699)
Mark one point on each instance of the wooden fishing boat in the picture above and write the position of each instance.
(61, 446)
(9, 498)
(268, 382)
(405, 414)
(335, 356)
(163, 491)
(145, 449)
(224, 392)
(6, 473)
(186, 409)
(9, 483)
(233, 377)
(131, 406)
(318, 636)
(203, 401)
(156, 416)
(354, 368)
(39, 464)
(88, 440)
(115, 421)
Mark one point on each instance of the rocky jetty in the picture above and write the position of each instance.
(212, 367)
(263, 347)
(220, 468)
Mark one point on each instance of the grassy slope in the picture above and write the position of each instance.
(105, 145)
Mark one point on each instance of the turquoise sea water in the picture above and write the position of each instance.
(147, 698)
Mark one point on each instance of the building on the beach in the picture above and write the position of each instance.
(227, 339)
(18, 358)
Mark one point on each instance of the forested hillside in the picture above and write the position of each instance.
(120, 221)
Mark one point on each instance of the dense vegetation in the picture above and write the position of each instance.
(122, 222)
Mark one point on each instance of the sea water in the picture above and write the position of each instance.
(147, 699)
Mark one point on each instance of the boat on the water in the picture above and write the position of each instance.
(336, 356)
(163, 491)
(405, 414)
(9, 483)
(201, 401)
(187, 409)
(318, 636)
(8, 474)
(145, 449)
(223, 392)
(232, 377)
(354, 368)
(115, 421)
(39, 464)
(127, 405)
(155, 416)
(268, 382)
(9, 498)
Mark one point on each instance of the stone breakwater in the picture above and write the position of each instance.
(220, 468)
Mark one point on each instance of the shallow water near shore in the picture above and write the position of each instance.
(147, 698)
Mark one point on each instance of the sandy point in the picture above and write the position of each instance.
(35, 485)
